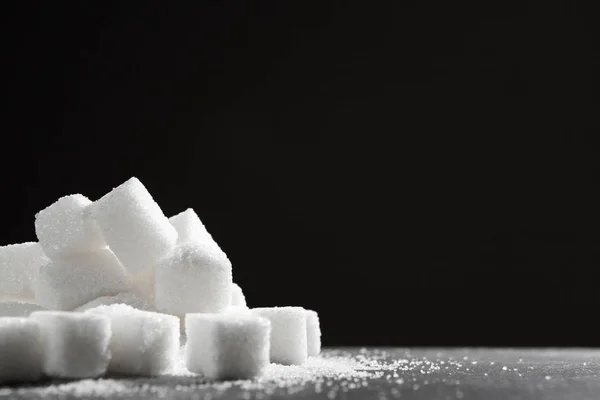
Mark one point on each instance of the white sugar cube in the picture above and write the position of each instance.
(76, 345)
(227, 346)
(237, 296)
(127, 298)
(18, 308)
(189, 227)
(313, 333)
(19, 264)
(193, 279)
(72, 281)
(143, 342)
(64, 227)
(288, 333)
(134, 226)
(144, 285)
(21, 352)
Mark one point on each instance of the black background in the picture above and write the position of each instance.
(419, 173)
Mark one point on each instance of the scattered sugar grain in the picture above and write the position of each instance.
(85, 388)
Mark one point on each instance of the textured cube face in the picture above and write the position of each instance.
(19, 264)
(313, 333)
(142, 343)
(128, 298)
(76, 345)
(65, 227)
(201, 354)
(193, 279)
(237, 297)
(227, 346)
(70, 282)
(134, 226)
(21, 352)
(288, 334)
(190, 229)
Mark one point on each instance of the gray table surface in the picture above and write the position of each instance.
(409, 374)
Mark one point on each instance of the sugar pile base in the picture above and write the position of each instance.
(115, 286)
(463, 374)
(275, 379)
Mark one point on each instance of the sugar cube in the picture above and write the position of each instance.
(288, 333)
(237, 296)
(143, 284)
(142, 342)
(64, 227)
(128, 298)
(19, 264)
(189, 227)
(21, 352)
(71, 281)
(193, 279)
(76, 345)
(227, 346)
(313, 333)
(18, 308)
(134, 226)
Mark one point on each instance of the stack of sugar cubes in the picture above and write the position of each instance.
(114, 286)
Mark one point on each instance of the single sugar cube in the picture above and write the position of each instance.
(288, 334)
(134, 226)
(142, 342)
(189, 227)
(65, 227)
(76, 345)
(72, 281)
(313, 333)
(193, 279)
(227, 346)
(21, 352)
(128, 298)
(18, 308)
(19, 264)
(237, 296)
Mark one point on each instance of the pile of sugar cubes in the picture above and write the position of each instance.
(116, 287)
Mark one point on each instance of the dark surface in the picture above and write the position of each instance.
(348, 155)
(517, 374)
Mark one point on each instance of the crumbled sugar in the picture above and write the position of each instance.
(79, 389)
(130, 299)
(19, 264)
